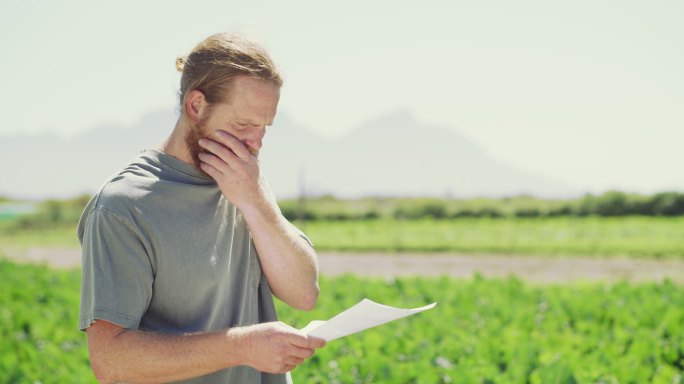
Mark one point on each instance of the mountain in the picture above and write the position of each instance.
(393, 155)
(47, 165)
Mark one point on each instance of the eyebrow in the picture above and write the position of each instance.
(248, 120)
(251, 122)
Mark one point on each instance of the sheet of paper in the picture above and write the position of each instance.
(365, 314)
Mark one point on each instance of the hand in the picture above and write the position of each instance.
(236, 170)
(276, 347)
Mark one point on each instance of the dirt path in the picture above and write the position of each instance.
(534, 269)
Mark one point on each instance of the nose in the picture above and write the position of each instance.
(254, 140)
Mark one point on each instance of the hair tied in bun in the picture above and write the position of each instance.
(180, 63)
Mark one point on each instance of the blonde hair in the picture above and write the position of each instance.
(218, 59)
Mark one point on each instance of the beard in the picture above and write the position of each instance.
(197, 132)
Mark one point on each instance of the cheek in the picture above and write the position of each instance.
(210, 123)
(203, 128)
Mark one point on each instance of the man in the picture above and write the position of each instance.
(184, 247)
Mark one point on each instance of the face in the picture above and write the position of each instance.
(250, 109)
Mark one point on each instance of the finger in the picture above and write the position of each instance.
(219, 150)
(301, 353)
(306, 341)
(210, 170)
(316, 342)
(288, 368)
(298, 339)
(234, 144)
(293, 360)
(212, 160)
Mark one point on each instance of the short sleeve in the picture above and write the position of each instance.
(117, 275)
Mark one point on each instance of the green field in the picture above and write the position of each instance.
(482, 331)
(60, 237)
(633, 236)
(627, 236)
(40, 342)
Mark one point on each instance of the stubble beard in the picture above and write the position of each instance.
(197, 132)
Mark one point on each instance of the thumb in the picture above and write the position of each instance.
(306, 341)
(316, 342)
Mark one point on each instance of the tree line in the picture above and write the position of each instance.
(609, 204)
(51, 213)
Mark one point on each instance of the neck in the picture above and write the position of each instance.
(175, 144)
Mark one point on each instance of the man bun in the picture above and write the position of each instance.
(180, 63)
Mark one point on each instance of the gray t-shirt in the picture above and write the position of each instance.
(165, 251)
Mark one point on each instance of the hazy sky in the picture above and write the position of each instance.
(590, 93)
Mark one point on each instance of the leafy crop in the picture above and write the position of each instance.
(39, 339)
(482, 331)
(503, 331)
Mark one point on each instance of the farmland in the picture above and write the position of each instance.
(633, 236)
(627, 236)
(612, 224)
(483, 330)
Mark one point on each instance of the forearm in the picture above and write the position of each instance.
(147, 357)
(288, 261)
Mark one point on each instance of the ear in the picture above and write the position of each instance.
(195, 105)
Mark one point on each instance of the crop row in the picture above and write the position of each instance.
(482, 331)
(504, 331)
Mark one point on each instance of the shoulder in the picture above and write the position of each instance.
(120, 194)
(123, 189)
(108, 204)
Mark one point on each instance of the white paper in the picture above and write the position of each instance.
(365, 314)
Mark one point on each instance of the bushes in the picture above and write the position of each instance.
(620, 204)
(609, 204)
(51, 214)
(429, 209)
(668, 204)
